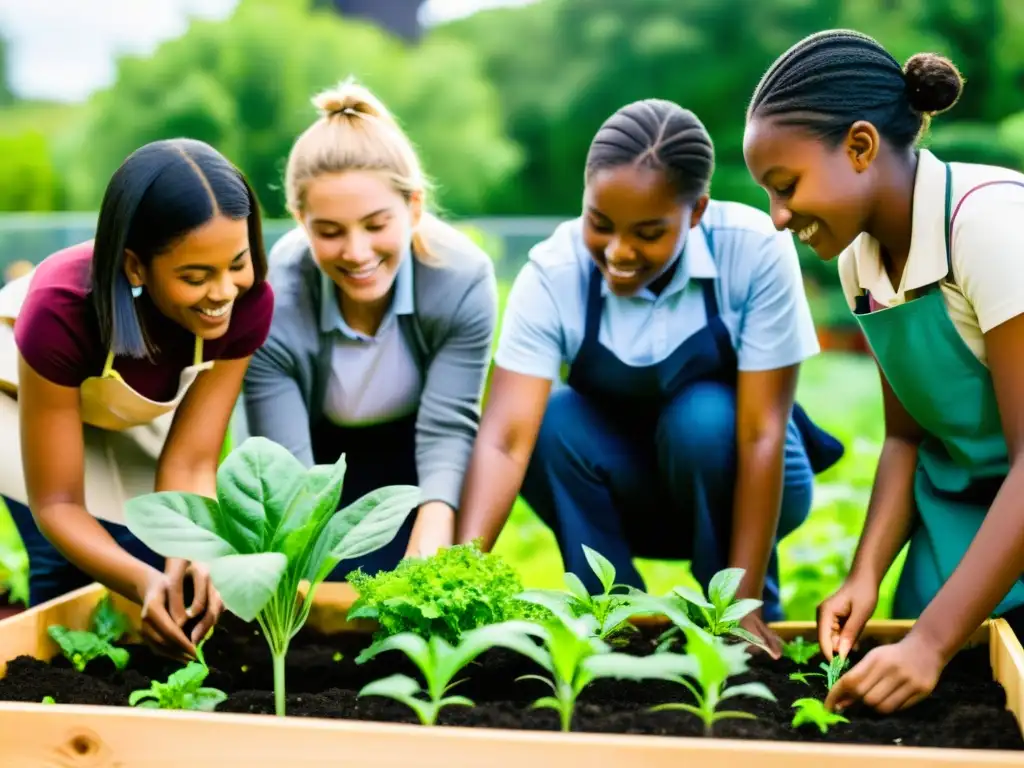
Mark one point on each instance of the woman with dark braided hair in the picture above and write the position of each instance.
(930, 262)
(682, 322)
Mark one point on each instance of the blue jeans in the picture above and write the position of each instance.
(657, 487)
(50, 574)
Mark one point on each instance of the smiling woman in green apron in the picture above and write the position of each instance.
(682, 322)
(120, 363)
(929, 259)
(383, 324)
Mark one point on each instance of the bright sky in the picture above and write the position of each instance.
(63, 50)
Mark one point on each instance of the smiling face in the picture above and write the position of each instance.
(359, 228)
(632, 221)
(821, 193)
(195, 282)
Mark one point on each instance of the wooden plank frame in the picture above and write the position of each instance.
(72, 736)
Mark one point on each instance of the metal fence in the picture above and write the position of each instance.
(32, 237)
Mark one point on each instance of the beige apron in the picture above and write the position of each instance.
(123, 431)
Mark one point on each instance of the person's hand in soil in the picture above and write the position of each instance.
(890, 677)
(755, 625)
(164, 614)
(841, 617)
(434, 529)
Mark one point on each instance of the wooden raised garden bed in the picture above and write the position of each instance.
(328, 725)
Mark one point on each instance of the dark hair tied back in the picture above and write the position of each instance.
(934, 84)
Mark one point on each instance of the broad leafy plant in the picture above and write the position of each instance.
(813, 712)
(272, 526)
(611, 611)
(107, 625)
(712, 662)
(574, 657)
(439, 662)
(183, 689)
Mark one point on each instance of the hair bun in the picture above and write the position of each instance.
(934, 84)
(350, 99)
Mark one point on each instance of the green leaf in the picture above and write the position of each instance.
(623, 666)
(207, 699)
(392, 686)
(177, 524)
(513, 635)
(107, 622)
(739, 609)
(692, 596)
(723, 586)
(255, 484)
(362, 527)
(555, 600)
(757, 690)
(576, 587)
(136, 696)
(749, 637)
(309, 510)
(119, 656)
(601, 566)
(412, 645)
(246, 583)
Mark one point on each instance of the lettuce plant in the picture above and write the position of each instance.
(813, 712)
(455, 590)
(183, 689)
(713, 662)
(439, 662)
(107, 625)
(272, 526)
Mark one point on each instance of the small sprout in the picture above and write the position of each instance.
(713, 662)
(800, 651)
(337, 657)
(813, 712)
(48, 700)
(80, 647)
(834, 670)
(183, 689)
(801, 677)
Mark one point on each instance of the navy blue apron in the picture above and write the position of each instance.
(375, 456)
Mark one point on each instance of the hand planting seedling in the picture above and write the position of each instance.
(713, 662)
(183, 689)
(439, 662)
(455, 590)
(800, 651)
(574, 656)
(107, 625)
(273, 525)
(612, 612)
(813, 712)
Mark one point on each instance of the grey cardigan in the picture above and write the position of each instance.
(450, 331)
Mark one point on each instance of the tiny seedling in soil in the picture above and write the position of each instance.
(48, 700)
(439, 662)
(612, 611)
(832, 671)
(273, 525)
(574, 657)
(813, 712)
(107, 625)
(183, 689)
(799, 651)
(714, 661)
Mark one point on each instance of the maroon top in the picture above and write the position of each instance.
(58, 335)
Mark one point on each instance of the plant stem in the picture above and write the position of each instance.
(279, 690)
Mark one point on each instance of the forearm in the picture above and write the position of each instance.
(490, 491)
(890, 511)
(993, 562)
(198, 477)
(83, 541)
(756, 504)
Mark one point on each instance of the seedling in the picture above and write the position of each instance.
(107, 625)
(273, 525)
(714, 661)
(800, 651)
(574, 657)
(813, 712)
(832, 671)
(719, 613)
(611, 611)
(48, 700)
(802, 677)
(183, 689)
(439, 662)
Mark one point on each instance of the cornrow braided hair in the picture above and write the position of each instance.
(831, 79)
(660, 134)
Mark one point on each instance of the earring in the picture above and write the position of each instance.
(136, 291)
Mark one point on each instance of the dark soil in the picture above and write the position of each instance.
(967, 709)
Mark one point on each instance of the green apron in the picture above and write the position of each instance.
(963, 459)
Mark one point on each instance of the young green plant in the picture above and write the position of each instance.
(574, 657)
(799, 651)
(107, 625)
(183, 689)
(813, 712)
(439, 662)
(831, 671)
(273, 526)
(712, 662)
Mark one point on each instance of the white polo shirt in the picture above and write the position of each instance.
(987, 249)
(758, 283)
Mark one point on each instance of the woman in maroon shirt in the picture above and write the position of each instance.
(124, 363)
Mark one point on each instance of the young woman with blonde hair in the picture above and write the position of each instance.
(383, 324)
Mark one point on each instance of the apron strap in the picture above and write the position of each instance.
(197, 357)
(108, 366)
(594, 305)
(708, 284)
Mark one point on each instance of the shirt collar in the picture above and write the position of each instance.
(402, 301)
(926, 262)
